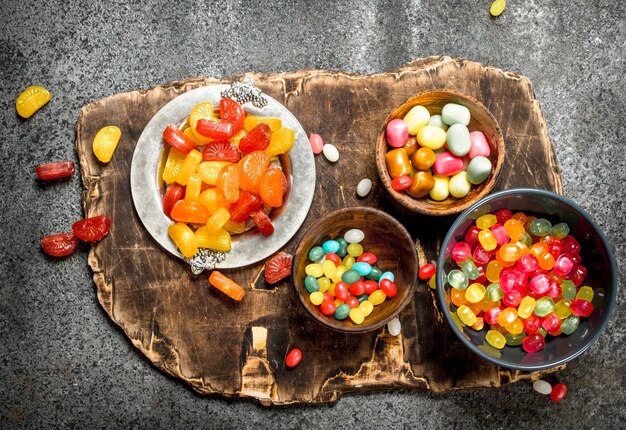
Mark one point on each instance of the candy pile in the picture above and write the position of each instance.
(534, 270)
(436, 155)
(214, 191)
(343, 279)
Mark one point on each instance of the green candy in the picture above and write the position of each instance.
(494, 292)
(540, 227)
(527, 239)
(453, 113)
(469, 268)
(343, 248)
(478, 170)
(350, 277)
(436, 121)
(342, 311)
(560, 230)
(514, 339)
(457, 279)
(362, 298)
(311, 284)
(375, 274)
(568, 289)
(458, 139)
(316, 253)
(570, 324)
(544, 306)
(542, 331)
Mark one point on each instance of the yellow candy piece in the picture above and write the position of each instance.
(486, 221)
(174, 162)
(196, 138)
(316, 298)
(585, 293)
(341, 269)
(329, 268)
(281, 141)
(356, 315)
(210, 170)
(466, 315)
(31, 100)
(377, 297)
(366, 307)
(252, 121)
(487, 240)
(200, 111)
(194, 186)
(441, 190)
(432, 282)
(416, 118)
(516, 327)
(561, 308)
(459, 185)
(493, 270)
(338, 302)
(105, 142)
(314, 269)
(348, 261)
(324, 284)
(183, 238)
(237, 138)
(217, 240)
(192, 160)
(526, 307)
(234, 227)
(355, 249)
(475, 293)
(331, 289)
(212, 199)
(431, 137)
(509, 253)
(495, 339)
(497, 7)
(218, 220)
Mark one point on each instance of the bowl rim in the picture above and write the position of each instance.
(613, 284)
(414, 204)
(363, 328)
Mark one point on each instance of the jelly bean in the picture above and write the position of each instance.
(578, 274)
(329, 268)
(387, 275)
(350, 276)
(316, 253)
(447, 164)
(356, 315)
(540, 227)
(324, 284)
(314, 269)
(493, 270)
(423, 183)
(357, 288)
(316, 297)
(458, 280)
(585, 293)
(330, 152)
(343, 247)
(431, 137)
(478, 170)
(397, 133)
(481, 256)
(377, 297)
(487, 240)
(543, 306)
(423, 159)
(475, 293)
(432, 282)
(570, 324)
(458, 140)
(411, 146)
(494, 292)
(366, 307)
(330, 246)
(497, 7)
(533, 343)
(401, 183)
(542, 387)
(341, 269)
(394, 327)
(495, 339)
(352, 302)
(375, 274)
(398, 163)
(367, 257)
(526, 307)
(440, 189)
(331, 256)
(293, 358)
(317, 144)
(551, 322)
(461, 251)
(364, 187)
(354, 235)
(355, 249)
(509, 252)
(581, 308)
(348, 261)
(426, 271)
(459, 185)
(328, 307)
(558, 393)
(466, 315)
(388, 287)
(364, 269)
(311, 284)
(416, 118)
(362, 298)
(341, 291)
(342, 311)
(479, 145)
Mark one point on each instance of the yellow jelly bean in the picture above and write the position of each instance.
(487, 240)
(329, 268)
(324, 284)
(377, 297)
(561, 308)
(348, 261)
(585, 293)
(432, 282)
(526, 307)
(31, 100)
(356, 315)
(331, 289)
(431, 137)
(105, 142)
(355, 249)
(316, 298)
(466, 315)
(441, 190)
(416, 118)
(314, 269)
(475, 293)
(516, 327)
(497, 7)
(486, 221)
(366, 307)
(341, 269)
(495, 339)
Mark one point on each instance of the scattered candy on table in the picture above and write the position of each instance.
(317, 144)
(55, 170)
(343, 279)
(426, 271)
(278, 267)
(293, 357)
(497, 7)
(105, 142)
(535, 280)
(31, 100)
(436, 155)
(394, 327)
(91, 229)
(364, 187)
(226, 285)
(330, 152)
(542, 387)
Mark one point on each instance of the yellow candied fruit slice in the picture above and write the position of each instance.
(237, 138)
(194, 186)
(235, 227)
(217, 240)
(210, 170)
(174, 162)
(252, 121)
(212, 199)
(190, 164)
(281, 141)
(200, 111)
(105, 142)
(218, 220)
(195, 137)
(31, 100)
(184, 239)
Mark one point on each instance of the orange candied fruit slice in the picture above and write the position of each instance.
(281, 141)
(212, 199)
(228, 182)
(271, 187)
(194, 186)
(252, 121)
(210, 170)
(251, 169)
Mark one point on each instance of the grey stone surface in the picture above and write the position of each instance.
(64, 364)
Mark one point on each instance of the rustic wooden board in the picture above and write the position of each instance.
(196, 334)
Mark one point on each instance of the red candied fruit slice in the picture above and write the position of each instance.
(56, 170)
(174, 193)
(219, 130)
(233, 113)
(256, 139)
(278, 267)
(263, 222)
(92, 229)
(60, 245)
(174, 136)
(220, 150)
(244, 206)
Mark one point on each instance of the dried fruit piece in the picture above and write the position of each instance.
(31, 100)
(251, 169)
(218, 240)
(60, 245)
(226, 286)
(174, 193)
(175, 137)
(272, 187)
(220, 150)
(263, 222)
(56, 170)
(105, 142)
(232, 112)
(257, 139)
(278, 267)
(92, 229)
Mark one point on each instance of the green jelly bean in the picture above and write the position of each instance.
(494, 292)
(469, 268)
(362, 298)
(316, 253)
(540, 227)
(453, 113)
(458, 279)
(342, 311)
(514, 339)
(343, 248)
(543, 306)
(570, 324)
(311, 284)
(559, 230)
(350, 276)
(375, 274)
(568, 289)
(527, 239)
(458, 139)
(436, 121)
(478, 170)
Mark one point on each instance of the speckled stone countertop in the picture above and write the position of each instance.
(64, 364)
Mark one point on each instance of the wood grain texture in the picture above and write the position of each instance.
(194, 333)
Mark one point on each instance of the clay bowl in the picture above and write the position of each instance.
(596, 255)
(482, 120)
(386, 238)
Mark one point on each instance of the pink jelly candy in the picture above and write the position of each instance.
(461, 252)
(499, 232)
(533, 343)
(447, 164)
(480, 146)
(481, 256)
(563, 265)
(316, 143)
(397, 133)
(527, 263)
(554, 291)
(551, 322)
(581, 308)
(539, 284)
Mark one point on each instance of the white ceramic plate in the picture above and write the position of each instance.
(147, 190)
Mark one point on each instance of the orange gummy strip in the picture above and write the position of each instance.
(226, 286)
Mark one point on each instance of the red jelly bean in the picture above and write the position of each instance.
(512, 298)
(558, 393)
(370, 286)
(462, 251)
(357, 288)
(334, 258)
(293, 358)
(426, 271)
(471, 237)
(367, 257)
(328, 307)
(401, 183)
(533, 343)
(328, 296)
(581, 308)
(352, 302)
(503, 215)
(341, 291)
(551, 322)
(387, 287)
(532, 324)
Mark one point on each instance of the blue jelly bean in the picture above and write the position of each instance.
(330, 246)
(363, 268)
(387, 275)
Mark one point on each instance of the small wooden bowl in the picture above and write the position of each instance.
(386, 238)
(482, 120)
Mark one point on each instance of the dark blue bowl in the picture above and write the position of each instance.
(597, 257)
